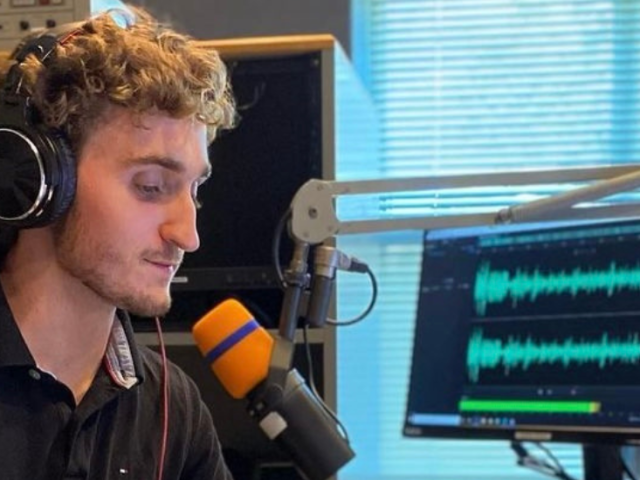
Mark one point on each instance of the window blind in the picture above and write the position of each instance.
(466, 86)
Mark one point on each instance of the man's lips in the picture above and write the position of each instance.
(165, 264)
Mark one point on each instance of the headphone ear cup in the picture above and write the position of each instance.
(60, 174)
(37, 176)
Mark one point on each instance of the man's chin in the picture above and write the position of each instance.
(147, 307)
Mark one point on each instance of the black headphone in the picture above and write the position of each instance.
(37, 166)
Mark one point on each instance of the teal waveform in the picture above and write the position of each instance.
(514, 352)
(496, 286)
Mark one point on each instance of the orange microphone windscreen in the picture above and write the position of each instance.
(235, 345)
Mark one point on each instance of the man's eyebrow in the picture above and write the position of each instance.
(166, 162)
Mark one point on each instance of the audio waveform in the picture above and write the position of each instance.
(514, 352)
(495, 286)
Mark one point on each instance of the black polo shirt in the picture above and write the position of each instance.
(115, 432)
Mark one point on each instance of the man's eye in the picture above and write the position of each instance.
(149, 189)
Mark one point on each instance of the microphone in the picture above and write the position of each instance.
(235, 346)
(326, 261)
(249, 365)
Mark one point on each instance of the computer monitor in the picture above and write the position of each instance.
(529, 332)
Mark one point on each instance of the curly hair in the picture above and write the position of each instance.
(144, 67)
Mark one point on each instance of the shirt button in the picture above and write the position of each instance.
(34, 374)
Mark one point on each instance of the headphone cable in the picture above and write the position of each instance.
(164, 396)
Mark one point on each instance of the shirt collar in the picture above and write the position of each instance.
(122, 359)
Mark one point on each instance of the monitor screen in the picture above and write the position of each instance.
(528, 332)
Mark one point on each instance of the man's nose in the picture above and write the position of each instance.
(179, 227)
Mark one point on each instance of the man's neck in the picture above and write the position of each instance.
(65, 324)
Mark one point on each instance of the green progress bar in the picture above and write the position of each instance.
(528, 406)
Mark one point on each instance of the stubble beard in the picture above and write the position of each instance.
(96, 265)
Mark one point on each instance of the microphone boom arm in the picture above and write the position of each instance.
(314, 217)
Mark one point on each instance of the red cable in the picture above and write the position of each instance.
(165, 400)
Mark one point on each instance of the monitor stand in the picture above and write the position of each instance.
(602, 462)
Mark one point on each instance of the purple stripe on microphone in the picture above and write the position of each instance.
(231, 340)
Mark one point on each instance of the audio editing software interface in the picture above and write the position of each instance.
(533, 327)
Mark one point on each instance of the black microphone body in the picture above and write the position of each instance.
(252, 364)
(292, 416)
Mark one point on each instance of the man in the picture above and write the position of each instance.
(134, 107)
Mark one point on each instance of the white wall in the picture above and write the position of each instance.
(209, 19)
